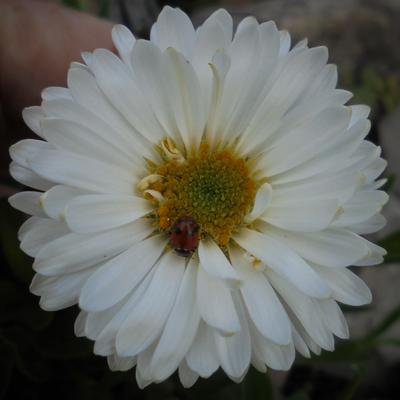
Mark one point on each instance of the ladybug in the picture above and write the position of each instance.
(184, 236)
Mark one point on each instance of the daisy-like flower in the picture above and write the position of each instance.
(200, 197)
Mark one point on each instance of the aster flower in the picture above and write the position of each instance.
(200, 197)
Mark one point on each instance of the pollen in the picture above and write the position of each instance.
(213, 187)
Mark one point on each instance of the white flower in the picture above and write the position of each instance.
(232, 150)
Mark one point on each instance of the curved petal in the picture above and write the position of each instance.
(264, 307)
(75, 251)
(262, 201)
(302, 216)
(117, 277)
(93, 213)
(180, 328)
(174, 29)
(215, 304)
(56, 199)
(282, 259)
(27, 202)
(215, 263)
(145, 323)
(201, 356)
(331, 247)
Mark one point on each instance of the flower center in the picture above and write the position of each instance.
(215, 188)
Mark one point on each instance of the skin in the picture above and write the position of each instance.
(38, 41)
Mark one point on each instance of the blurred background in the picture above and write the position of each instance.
(39, 355)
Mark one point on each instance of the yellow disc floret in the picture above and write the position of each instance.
(213, 187)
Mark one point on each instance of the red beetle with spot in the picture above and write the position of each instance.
(184, 236)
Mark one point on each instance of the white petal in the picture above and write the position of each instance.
(215, 303)
(340, 186)
(188, 106)
(144, 325)
(234, 352)
(61, 291)
(180, 329)
(116, 82)
(375, 255)
(303, 216)
(32, 117)
(105, 340)
(155, 81)
(174, 29)
(346, 286)
(81, 172)
(332, 157)
(55, 200)
(117, 363)
(300, 69)
(106, 120)
(224, 19)
(283, 260)
(275, 356)
(359, 112)
(331, 247)
(123, 40)
(261, 202)
(263, 305)
(26, 149)
(306, 141)
(27, 202)
(201, 357)
(43, 231)
(76, 251)
(69, 136)
(334, 318)
(371, 225)
(116, 278)
(305, 310)
(54, 92)
(299, 343)
(187, 377)
(28, 178)
(79, 325)
(143, 368)
(209, 38)
(260, 50)
(219, 67)
(97, 321)
(242, 53)
(362, 206)
(284, 45)
(93, 213)
(215, 263)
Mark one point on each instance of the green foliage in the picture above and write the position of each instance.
(388, 186)
(372, 88)
(392, 245)
(104, 8)
(80, 5)
(257, 386)
(99, 7)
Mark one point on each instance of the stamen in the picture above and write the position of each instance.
(214, 188)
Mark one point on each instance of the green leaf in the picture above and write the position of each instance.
(387, 323)
(80, 5)
(351, 389)
(257, 386)
(388, 186)
(302, 394)
(10, 221)
(104, 8)
(350, 351)
(392, 245)
(7, 362)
